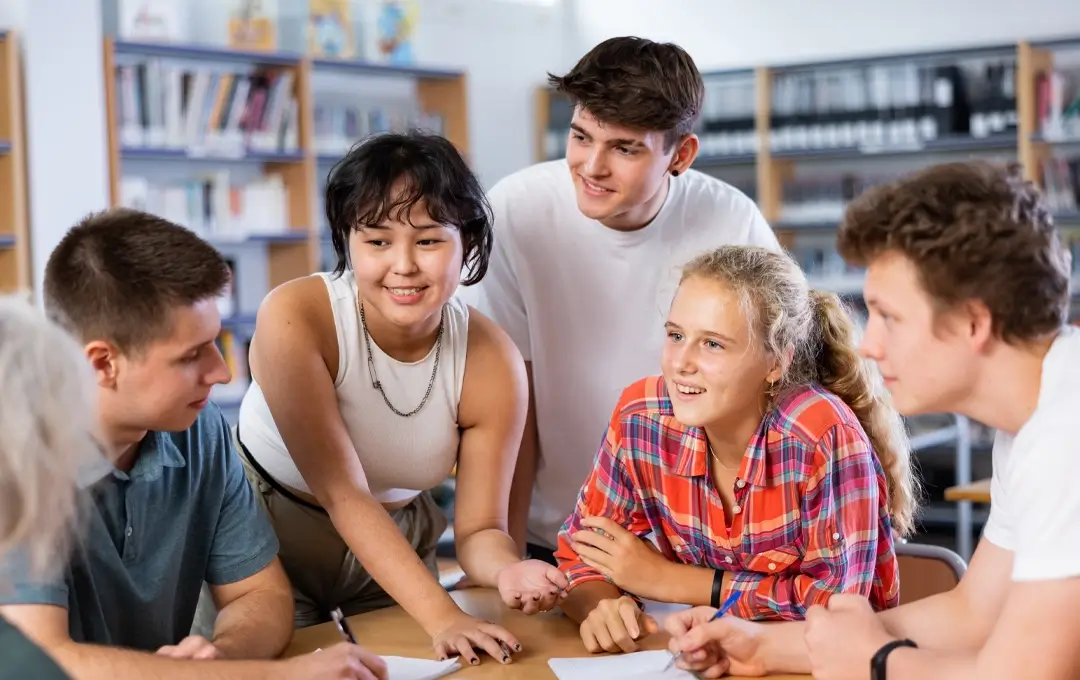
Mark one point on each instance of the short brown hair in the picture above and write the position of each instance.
(974, 230)
(638, 84)
(117, 275)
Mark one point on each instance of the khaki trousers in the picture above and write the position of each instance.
(323, 570)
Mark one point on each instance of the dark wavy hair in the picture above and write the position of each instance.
(385, 175)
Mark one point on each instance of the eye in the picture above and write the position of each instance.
(577, 136)
(429, 241)
(712, 344)
(376, 243)
(675, 336)
(625, 150)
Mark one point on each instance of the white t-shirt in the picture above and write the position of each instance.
(586, 305)
(1035, 505)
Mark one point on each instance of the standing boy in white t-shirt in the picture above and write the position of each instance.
(585, 259)
(968, 291)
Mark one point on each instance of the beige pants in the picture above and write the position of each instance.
(324, 572)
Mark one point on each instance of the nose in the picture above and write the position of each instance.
(404, 262)
(219, 372)
(596, 162)
(682, 359)
(870, 347)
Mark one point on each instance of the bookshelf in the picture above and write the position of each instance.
(237, 145)
(14, 222)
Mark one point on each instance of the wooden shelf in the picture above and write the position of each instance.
(15, 266)
(297, 253)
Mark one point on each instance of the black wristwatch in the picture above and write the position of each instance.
(877, 664)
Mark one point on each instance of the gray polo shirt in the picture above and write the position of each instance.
(184, 514)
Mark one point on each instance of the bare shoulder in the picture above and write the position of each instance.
(295, 316)
(490, 348)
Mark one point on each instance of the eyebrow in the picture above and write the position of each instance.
(674, 326)
(425, 225)
(620, 141)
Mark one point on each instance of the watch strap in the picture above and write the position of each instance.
(878, 662)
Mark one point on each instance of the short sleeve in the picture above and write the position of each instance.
(18, 585)
(1045, 504)
(759, 233)
(244, 540)
(499, 292)
(1001, 523)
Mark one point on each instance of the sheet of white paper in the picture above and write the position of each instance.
(405, 668)
(639, 666)
(662, 610)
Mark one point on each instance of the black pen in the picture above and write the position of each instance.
(343, 625)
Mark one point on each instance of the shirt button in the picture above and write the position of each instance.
(836, 536)
(128, 532)
(728, 560)
(772, 566)
(736, 509)
(740, 483)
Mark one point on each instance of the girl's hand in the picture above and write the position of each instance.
(632, 563)
(468, 633)
(532, 586)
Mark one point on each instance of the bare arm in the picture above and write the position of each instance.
(492, 417)
(525, 471)
(255, 615)
(294, 359)
(960, 619)
(47, 625)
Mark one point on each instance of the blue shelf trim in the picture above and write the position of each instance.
(725, 72)
(375, 69)
(206, 53)
(297, 236)
(1051, 43)
(819, 225)
(7, 241)
(5, 147)
(732, 159)
(143, 153)
(941, 145)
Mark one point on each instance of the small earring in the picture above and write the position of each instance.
(674, 173)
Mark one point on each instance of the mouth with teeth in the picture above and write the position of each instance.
(405, 295)
(688, 390)
(594, 189)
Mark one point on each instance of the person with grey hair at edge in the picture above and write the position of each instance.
(46, 438)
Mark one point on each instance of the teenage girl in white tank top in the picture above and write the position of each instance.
(370, 383)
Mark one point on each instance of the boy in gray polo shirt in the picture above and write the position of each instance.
(171, 508)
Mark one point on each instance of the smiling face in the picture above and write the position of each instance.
(407, 267)
(619, 173)
(928, 363)
(713, 370)
(165, 385)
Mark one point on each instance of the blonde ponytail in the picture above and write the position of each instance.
(847, 375)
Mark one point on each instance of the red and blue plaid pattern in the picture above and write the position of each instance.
(812, 513)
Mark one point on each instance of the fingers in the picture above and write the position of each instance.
(170, 651)
(464, 648)
(370, 662)
(557, 578)
(649, 625)
(680, 622)
(591, 539)
(628, 615)
(848, 603)
(613, 529)
(500, 633)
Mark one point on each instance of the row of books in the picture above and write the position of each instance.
(1061, 182)
(338, 125)
(902, 104)
(213, 205)
(206, 111)
(823, 197)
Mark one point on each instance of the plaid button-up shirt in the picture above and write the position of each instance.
(811, 506)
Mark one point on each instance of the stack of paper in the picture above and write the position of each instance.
(639, 666)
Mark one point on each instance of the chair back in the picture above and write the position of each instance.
(927, 570)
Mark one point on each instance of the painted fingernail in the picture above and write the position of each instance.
(506, 659)
(517, 647)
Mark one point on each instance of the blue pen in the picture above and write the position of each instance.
(728, 603)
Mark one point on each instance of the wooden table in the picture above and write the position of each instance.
(542, 636)
(977, 492)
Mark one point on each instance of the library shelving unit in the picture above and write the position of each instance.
(811, 136)
(14, 225)
(227, 142)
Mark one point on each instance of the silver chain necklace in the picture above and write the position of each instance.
(377, 384)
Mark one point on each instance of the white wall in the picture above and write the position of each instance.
(729, 33)
(67, 157)
(12, 14)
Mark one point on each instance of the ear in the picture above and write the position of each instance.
(779, 367)
(686, 150)
(105, 360)
(978, 323)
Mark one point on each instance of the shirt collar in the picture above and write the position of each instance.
(692, 459)
(156, 452)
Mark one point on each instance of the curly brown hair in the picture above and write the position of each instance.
(638, 84)
(974, 231)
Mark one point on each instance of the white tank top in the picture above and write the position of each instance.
(401, 456)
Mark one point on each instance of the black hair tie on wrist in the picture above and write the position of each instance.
(717, 582)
